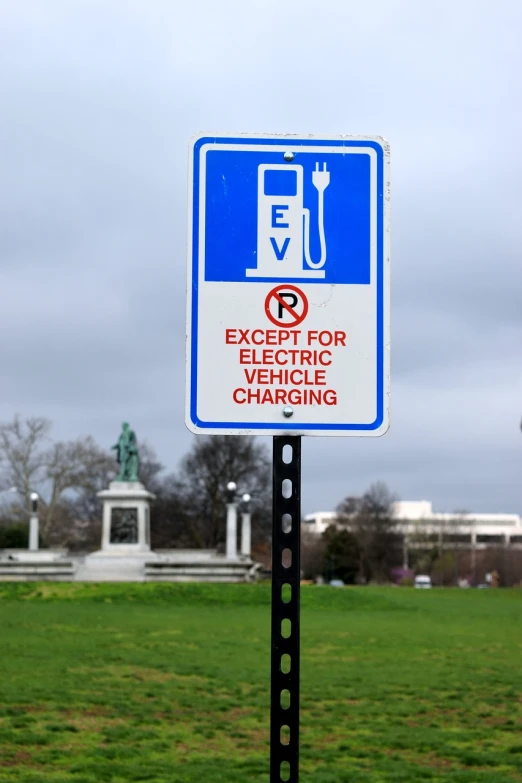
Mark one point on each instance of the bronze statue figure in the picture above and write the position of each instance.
(127, 454)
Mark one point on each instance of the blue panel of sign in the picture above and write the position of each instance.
(259, 215)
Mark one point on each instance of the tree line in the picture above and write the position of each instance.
(189, 510)
(363, 546)
(190, 506)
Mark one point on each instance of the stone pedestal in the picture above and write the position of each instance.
(246, 534)
(231, 544)
(126, 519)
(33, 533)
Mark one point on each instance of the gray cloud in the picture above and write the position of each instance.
(99, 100)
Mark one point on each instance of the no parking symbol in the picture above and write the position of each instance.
(286, 305)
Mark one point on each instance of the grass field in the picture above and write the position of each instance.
(170, 684)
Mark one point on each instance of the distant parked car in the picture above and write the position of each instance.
(336, 583)
(422, 581)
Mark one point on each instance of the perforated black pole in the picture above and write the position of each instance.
(286, 539)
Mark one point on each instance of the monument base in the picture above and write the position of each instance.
(126, 519)
(175, 566)
(190, 566)
(23, 565)
(113, 566)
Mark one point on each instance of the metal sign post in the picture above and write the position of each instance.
(288, 331)
(285, 657)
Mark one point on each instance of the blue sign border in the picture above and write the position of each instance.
(293, 142)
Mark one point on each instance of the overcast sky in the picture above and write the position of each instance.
(99, 100)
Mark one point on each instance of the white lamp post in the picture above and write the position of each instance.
(33, 523)
(246, 533)
(231, 520)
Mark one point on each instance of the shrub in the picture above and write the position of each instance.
(14, 536)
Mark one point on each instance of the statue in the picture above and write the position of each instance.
(127, 454)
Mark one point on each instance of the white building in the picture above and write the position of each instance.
(417, 520)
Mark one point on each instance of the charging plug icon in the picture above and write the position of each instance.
(283, 222)
(320, 181)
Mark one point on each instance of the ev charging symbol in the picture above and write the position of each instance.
(283, 223)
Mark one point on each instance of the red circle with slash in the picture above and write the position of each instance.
(286, 302)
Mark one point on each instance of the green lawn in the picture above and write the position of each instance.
(170, 684)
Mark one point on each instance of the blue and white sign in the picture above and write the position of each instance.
(288, 287)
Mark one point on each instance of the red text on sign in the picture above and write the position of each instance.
(327, 338)
(286, 374)
(285, 396)
(295, 377)
(284, 356)
(261, 336)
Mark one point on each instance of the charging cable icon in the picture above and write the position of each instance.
(283, 222)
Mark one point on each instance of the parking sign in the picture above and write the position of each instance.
(288, 285)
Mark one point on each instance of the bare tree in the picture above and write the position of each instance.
(312, 554)
(423, 547)
(74, 466)
(23, 456)
(150, 467)
(66, 475)
(374, 527)
(170, 519)
(451, 540)
(205, 471)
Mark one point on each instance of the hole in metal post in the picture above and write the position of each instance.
(285, 699)
(286, 663)
(286, 489)
(288, 453)
(286, 523)
(286, 628)
(285, 770)
(286, 558)
(285, 735)
(286, 593)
